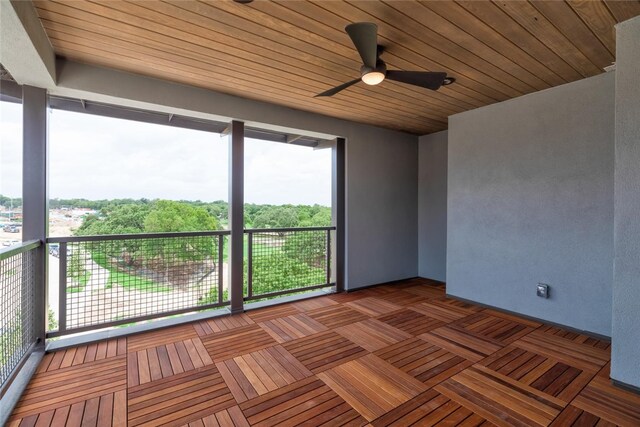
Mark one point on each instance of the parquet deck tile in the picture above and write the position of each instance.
(371, 385)
(540, 372)
(254, 374)
(500, 399)
(336, 315)
(398, 354)
(75, 356)
(72, 385)
(268, 313)
(324, 350)
(161, 336)
(428, 409)
(373, 306)
(411, 321)
(309, 402)
(424, 361)
(162, 361)
(234, 342)
(314, 303)
(496, 329)
(231, 417)
(612, 404)
(289, 328)
(444, 309)
(580, 355)
(179, 399)
(222, 323)
(470, 347)
(429, 292)
(372, 334)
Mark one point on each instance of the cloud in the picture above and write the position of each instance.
(97, 157)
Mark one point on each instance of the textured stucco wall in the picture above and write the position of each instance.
(625, 357)
(381, 165)
(530, 199)
(432, 206)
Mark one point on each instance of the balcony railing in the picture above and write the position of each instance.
(17, 314)
(108, 281)
(287, 260)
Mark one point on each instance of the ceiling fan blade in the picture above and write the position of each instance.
(364, 36)
(337, 89)
(429, 79)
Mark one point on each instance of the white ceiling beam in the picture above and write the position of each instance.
(25, 50)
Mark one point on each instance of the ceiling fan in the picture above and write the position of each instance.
(364, 36)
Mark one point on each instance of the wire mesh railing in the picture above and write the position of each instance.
(18, 271)
(107, 281)
(286, 260)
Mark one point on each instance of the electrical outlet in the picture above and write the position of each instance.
(542, 290)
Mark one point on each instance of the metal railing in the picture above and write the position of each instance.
(283, 261)
(18, 283)
(106, 281)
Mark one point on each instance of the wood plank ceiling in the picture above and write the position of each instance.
(285, 52)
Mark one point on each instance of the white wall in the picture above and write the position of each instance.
(432, 206)
(530, 199)
(381, 165)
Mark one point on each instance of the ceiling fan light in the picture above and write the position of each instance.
(373, 78)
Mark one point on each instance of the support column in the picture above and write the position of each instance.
(236, 215)
(35, 191)
(338, 213)
(625, 354)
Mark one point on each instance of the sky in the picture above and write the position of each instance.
(96, 157)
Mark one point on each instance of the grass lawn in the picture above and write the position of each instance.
(127, 281)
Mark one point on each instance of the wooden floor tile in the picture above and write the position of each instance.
(500, 399)
(289, 328)
(309, 402)
(411, 321)
(371, 385)
(458, 342)
(575, 337)
(610, 403)
(580, 355)
(222, 323)
(373, 306)
(324, 350)
(540, 372)
(427, 291)
(231, 417)
(179, 399)
(336, 315)
(403, 298)
(254, 374)
(446, 310)
(162, 361)
(314, 303)
(161, 336)
(234, 342)
(268, 313)
(428, 409)
(424, 361)
(75, 384)
(372, 334)
(572, 416)
(496, 329)
(75, 356)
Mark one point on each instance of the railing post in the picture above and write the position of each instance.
(236, 215)
(328, 261)
(338, 212)
(35, 194)
(249, 264)
(62, 292)
(220, 267)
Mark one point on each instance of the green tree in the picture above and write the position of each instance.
(276, 217)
